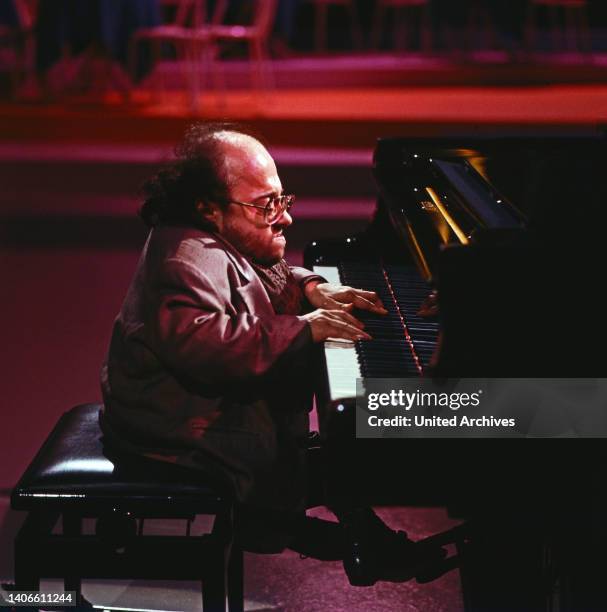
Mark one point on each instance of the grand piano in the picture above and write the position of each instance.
(487, 253)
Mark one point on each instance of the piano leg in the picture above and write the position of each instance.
(535, 562)
(504, 568)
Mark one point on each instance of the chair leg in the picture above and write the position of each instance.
(571, 31)
(400, 34)
(576, 29)
(156, 53)
(255, 64)
(584, 28)
(268, 72)
(217, 74)
(530, 29)
(132, 65)
(555, 26)
(376, 30)
(320, 28)
(426, 29)
(189, 60)
(355, 29)
(261, 77)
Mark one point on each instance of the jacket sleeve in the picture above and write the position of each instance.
(304, 276)
(197, 331)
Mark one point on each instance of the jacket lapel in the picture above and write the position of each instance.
(253, 293)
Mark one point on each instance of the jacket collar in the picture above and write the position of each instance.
(253, 293)
(240, 261)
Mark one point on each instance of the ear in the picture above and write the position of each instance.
(211, 214)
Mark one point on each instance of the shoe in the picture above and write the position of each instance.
(319, 539)
(267, 532)
(375, 552)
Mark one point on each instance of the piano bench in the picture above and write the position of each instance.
(71, 478)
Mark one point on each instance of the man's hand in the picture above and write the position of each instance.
(341, 297)
(429, 307)
(334, 324)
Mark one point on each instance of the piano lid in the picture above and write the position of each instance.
(438, 193)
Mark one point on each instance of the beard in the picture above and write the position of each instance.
(263, 245)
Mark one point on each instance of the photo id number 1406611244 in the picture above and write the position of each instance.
(15, 599)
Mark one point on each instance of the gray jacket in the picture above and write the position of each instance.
(202, 372)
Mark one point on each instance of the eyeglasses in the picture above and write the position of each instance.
(274, 209)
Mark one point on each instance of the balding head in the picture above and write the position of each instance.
(242, 157)
(223, 180)
(207, 162)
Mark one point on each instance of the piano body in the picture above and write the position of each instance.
(507, 232)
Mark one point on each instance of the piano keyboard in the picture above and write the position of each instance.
(403, 342)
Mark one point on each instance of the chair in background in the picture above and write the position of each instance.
(405, 12)
(321, 14)
(568, 24)
(207, 40)
(17, 40)
(181, 16)
(480, 31)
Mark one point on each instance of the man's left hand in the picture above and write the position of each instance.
(329, 296)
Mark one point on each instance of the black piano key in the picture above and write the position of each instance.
(390, 352)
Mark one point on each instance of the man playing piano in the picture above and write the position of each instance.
(212, 354)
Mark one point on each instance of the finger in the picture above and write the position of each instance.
(428, 311)
(367, 300)
(332, 304)
(429, 307)
(374, 299)
(342, 329)
(355, 327)
(364, 304)
(368, 295)
(347, 317)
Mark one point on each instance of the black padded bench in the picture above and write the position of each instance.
(72, 479)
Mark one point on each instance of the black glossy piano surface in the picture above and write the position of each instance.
(509, 231)
(519, 294)
(512, 301)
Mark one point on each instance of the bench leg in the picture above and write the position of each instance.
(72, 527)
(28, 547)
(214, 583)
(235, 580)
(223, 579)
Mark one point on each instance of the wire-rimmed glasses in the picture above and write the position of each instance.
(274, 209)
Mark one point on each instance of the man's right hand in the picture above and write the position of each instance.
(334, 324)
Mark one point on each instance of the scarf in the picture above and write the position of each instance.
(284, 291)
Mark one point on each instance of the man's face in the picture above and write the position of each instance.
(252, 178)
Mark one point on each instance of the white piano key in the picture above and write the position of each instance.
(342, 369)
(342, 361)
(331, 273)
